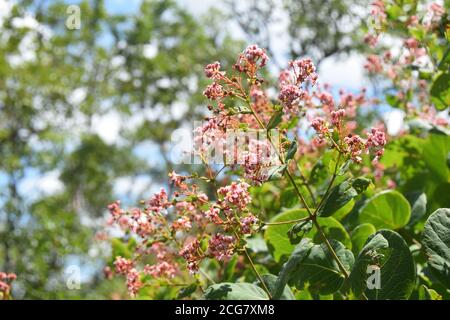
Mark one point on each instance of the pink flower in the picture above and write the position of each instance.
(373, 64)
(161, 270)
(183, 223)
(378, 12)
(214, 91)
(326, 99)
(336, 116)
(184, 206)
(437, 11)
(247, 223)
(320, 125)
(221, 246)
(255, 54)
(391, 184)
(177, 179)
(5, 282)
(159, 201)
(257, 161)
(210, 135)
(213, 214)
(371, 40)
(376, 140)
(123, 266)
(304, 69)
(133, 282)
(236, 194)
(290, 95)
(4, 287)
(284, 78)
(213, 70)
(355, 146)
(115, 210)
(191, 253)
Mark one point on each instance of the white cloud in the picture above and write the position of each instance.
(347, 73)
(132, 186)
(394, 120)
(107, 126)
(46, 184)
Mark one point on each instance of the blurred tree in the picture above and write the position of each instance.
(56, 87)
(318, 29)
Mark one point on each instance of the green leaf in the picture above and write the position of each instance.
(235, 291)
(387, 209)
(387, 251)
(271, 282)
(292, 150)
(360, 235)
(418, 202)
(229, 271)
(341, 194)
(344, 211)
(440, 93)
(277, 239)
(360, 184)
(240, 110)
(298, 231)
(435, 153)
(436, 240)
(393, 100)
(428, 294)
(275, 120)
(276, 172)
(314, 265)
(300, 252)
(187, 291)
(120, 248)
(276, 235)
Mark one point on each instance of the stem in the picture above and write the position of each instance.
(257, 274)
(333, 253)
(312, 216)
(305, 181)
(291, 179)
(286, 222)
(325, 196)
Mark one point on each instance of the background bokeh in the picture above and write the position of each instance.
(87, 115)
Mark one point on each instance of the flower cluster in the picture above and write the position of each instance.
(236, 195)
(293, 83)
(177, 231)
(165, 227)
(5, 283)
(414, 54)
(221, 246)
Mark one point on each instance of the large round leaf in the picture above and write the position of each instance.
(387, 251)
(360, 235)
(278, 241)
(271, 282)
(314, 264)
(435, 153)
(386, 210)
(436, 239)
(235, 291)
